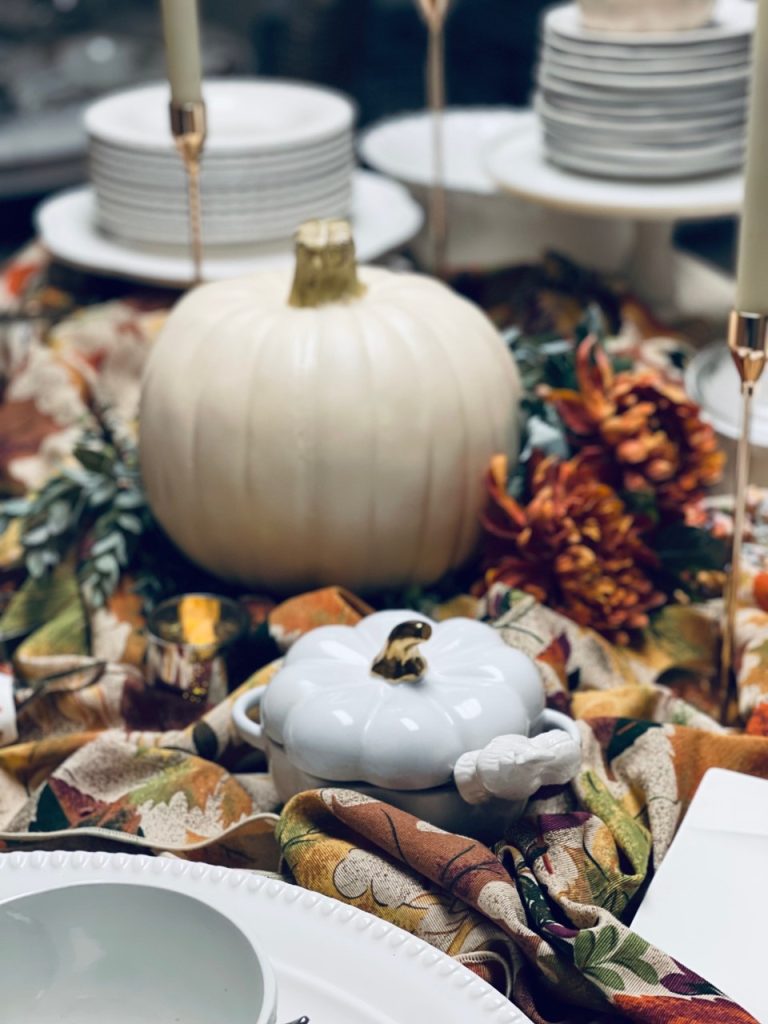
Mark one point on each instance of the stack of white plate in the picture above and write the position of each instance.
(278, 153)
(647, 106)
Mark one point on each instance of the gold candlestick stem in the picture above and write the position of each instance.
(748, 345)
(434, 13)
(189, 128)
(438, 217)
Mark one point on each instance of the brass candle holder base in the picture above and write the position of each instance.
(748, 345)
(189, 128)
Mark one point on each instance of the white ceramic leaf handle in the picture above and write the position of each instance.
(514, 767)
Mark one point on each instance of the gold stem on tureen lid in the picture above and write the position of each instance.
(326, 268)
(401, 661)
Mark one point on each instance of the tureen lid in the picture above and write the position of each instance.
(397, 699)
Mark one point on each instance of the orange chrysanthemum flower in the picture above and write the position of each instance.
(649, 428)
(574, 546)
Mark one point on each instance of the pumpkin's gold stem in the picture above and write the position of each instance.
(326, 269)
(401, 661)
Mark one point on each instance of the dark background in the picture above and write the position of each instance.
(372, 49)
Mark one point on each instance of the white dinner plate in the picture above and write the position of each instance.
(733, 19)
(334, 963)
(644, 66)
(612, 138)
(137, 162)
(635, 48)
(519, 165)
(243, 114)
(402, 146)
(643, 152)
(637, 170)
(683, 107)
(158, 229)
(384, 216)
(650, 145)
(647, 81)
(694, 97)
(271, 198)
(645, 127)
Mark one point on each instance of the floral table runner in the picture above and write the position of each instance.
(102, 761)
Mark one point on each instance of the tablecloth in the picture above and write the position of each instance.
(103, 761)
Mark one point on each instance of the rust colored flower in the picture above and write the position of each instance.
(574, 546)
(648, 427)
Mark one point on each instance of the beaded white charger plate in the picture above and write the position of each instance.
(336, 964)
(384, 217)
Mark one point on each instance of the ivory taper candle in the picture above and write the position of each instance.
(752, 279)
(182, 50)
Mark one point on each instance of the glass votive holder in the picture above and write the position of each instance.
(194, 645)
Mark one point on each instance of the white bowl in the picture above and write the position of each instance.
(243, 114)
(128, 954)
(487, 228)
(646, 16)
(731, 20)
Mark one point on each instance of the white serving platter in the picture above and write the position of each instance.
(518, 165)
(402, 146)
(384, 216)
(333, 963)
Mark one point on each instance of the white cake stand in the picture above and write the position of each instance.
(656, 271)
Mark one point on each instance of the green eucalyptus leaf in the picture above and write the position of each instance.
(131, 523)
(129, 499)
(60, 517)
(35, 564)
(51, 557)
(105, 544)
(35, 537)
(15, 508)
(104, 492)
(107, 564)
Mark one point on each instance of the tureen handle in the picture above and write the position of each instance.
(514, 767)
(401, 661)
(248, 730)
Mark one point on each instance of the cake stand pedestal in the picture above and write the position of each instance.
(670, 281)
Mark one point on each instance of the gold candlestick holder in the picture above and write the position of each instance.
(434, 13)
(189, 128)
(748, 345)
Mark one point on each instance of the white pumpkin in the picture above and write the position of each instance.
(341, 436)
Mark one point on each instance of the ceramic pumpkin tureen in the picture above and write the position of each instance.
(331, 429)
(442, 719)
